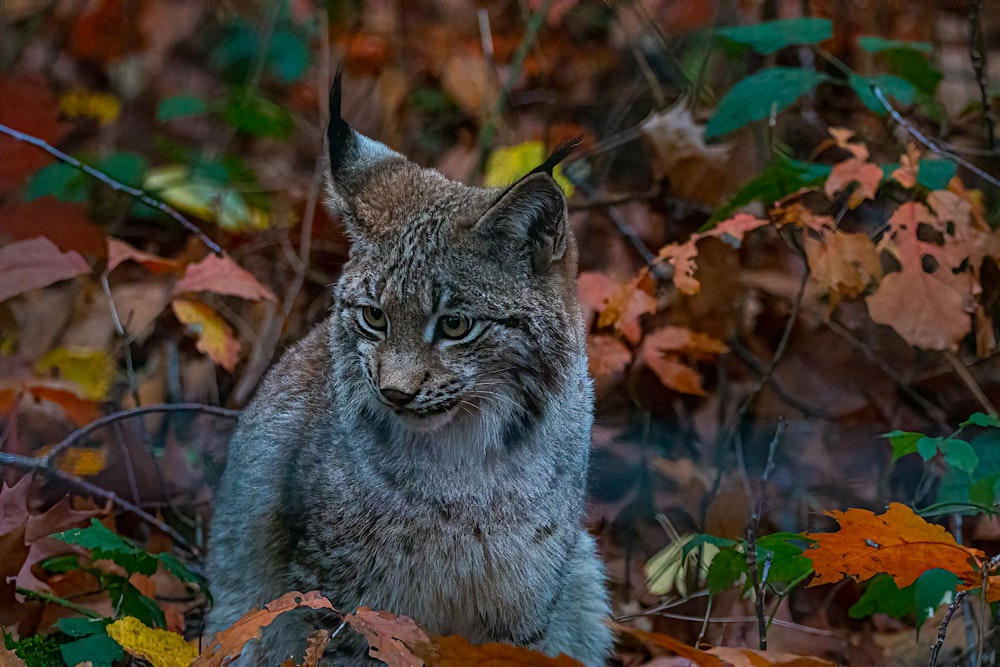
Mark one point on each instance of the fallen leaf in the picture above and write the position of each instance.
(119, 251)
(625, 307)
(80, 411)
(749, 657)
(456, 651)
(606, 355)
(898, 542)
(221, 275)
(699, 658)
(673, 373)
(595, 289)
(209, 200)
(315, 646)
(93, 371)
(36, 263)
(909, 166)
(467, 79)
(844, 264)
(854, 169)
(735, 228)
(29, 106)
(160, 648)
(681, 256)
(66, 224)
(105, 31)
(103, 107)
(214, 337)
(390, 637)
(682, 339)
(228, 644)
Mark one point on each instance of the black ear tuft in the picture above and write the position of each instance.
(338, 133)
(561, 152)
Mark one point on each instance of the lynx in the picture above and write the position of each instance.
(424, 449)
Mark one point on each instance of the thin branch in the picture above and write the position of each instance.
(932, 146)
(943, 629)
(750, 359)
(141, 195)
(970, 382)
(978, 57)
(759, 579)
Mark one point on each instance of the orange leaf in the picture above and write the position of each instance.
(866, 174)
(456, 651)
(748, 657)
(624, 309)
(215, 337)
(844, 264)
(682, 339)
(909, 165)
(606, 355)
(80, 411)
(697, 657)
(899, 543)
(36, 263)
(734, 229)
(681, 257)
(230, 642)
(673, 373)
(392, 639)
(221, 275)
(119, 251)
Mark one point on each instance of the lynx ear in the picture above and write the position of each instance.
(532, 215)
(352, 155)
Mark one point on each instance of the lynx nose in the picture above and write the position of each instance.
(396, 397)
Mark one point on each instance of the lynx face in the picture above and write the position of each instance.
(458, 304)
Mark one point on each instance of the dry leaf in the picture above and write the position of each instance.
(748, 657)
(854, 169)
(898, 542)
(595, 289)
(93, 371)
(36, 263)
(698, 658)
(625, 307)
(119, 251)
(673, 373)
(214, 337)
(221, 275)
(390, 637)
(606, 355)
(456, 651)
(230, 642)
(844, 264)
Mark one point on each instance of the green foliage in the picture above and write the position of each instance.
(257, 115)
(883, 597)
(779, 560)
(772, 36)
(935, 174)
(180, 106)
(105, 544)
(890, 85)
(59, 180)
(878, 45)
(36, 651)
(285, 58)
(755, 97)
(783, 176)
(98, 648)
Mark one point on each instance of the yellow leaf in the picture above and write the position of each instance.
(160, 648)
(92, 370)
(204, 198)
(215, 337)
(102, 106)
(506, 165)
(80, 461)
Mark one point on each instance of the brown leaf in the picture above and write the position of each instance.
(8, 658)
(606, 355)
(682, 339)
(929, 310)
(214, 337)
(909, 166)
(867, 175)
(36, 263)
(625, 307)
(681, 257)
(80, 411)
(119, 251)
(456, 651)
(30, 107)
(748, 657)
(315, 646)
(467, 79)
(106, 31)
(66, 224)
(844, 264)
(390, 637)
(734, 229)
(221, 275)
(229, 643)
(674, 374)
(898, 542)
(699, 658)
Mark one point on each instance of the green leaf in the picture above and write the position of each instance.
(105, 544)
(257, 115)
(928, 447)
(129, 601)
(288, 56)
(180, 106)
(903, 442)
(98, 649)
(960, 454)
(129, 168)
(773, 36)
(787, 562)
(935, 174)
(915, 68)
(81, 627)
(726, 568)
(59, 180)
(933, 588)
(982, 419)
(753, 97)
(878, 45)
(698, 540)
(882, 597)
(783, 176)
(61, 564)
(182, 572)
(890, 85)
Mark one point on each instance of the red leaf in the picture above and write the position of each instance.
(106, 31)
(64, 223)
(221, 275)
(35, 263)
(30, 107)
(119, 251)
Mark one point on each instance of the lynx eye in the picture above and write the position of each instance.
(374, 317)
(454, 326)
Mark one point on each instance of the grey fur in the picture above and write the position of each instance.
(469, 520)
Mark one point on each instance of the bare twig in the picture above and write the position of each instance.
(141, 195)
(970, 382)
(759, 579)
(932, 146)
(978, 56)
(943, 629)
(750, 359)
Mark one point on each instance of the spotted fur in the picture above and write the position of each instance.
(463, 508)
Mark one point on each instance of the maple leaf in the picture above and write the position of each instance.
(119, 251)
(36, 263)
(844, 264)
(80, 411)
(929, 310)
(681, 256)
(661, 350)
(221, 275)
(624, 308)
(606, 355)
(390, 637)
(898, 542)
(229, 643)
(854, 169)
(93, 371)
(214, 336)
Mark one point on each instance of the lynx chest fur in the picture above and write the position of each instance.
(424, 449)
